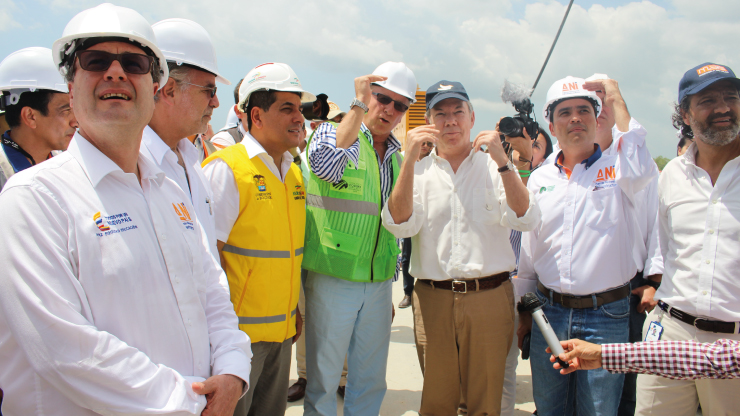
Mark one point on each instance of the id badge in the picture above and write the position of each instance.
(655, 330)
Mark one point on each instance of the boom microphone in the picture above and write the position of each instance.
(530, 303)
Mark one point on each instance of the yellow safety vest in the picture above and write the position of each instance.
(263, 255)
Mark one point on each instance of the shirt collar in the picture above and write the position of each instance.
(97, 165)
(689, 157)
(587, 162)
(393, 144)
(159, 149)
(254, 148)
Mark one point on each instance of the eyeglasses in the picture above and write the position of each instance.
(427, 144)
(99, 61)
(211, 90)
(385, 100)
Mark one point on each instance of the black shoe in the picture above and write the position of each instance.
(340, 391)
(297, 390)
(405, 302)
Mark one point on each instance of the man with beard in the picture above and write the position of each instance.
(699, 216)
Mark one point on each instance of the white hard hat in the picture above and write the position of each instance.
(185, 42)
(567, 88)
(271, 76)
(401, 79)
(29, 69)
(107, 21)
(594, 77)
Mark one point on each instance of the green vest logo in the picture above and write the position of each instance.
(348, 185)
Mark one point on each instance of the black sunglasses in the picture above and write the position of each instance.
(385, 100)
(99, 61)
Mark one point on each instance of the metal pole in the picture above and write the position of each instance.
(552, 47)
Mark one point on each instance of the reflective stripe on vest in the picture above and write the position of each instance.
(251, 320)
(263, 254)
(342, 205)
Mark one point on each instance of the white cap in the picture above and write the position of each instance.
(271, 76)
(567, 88)
(401, 79)
(185, 42)
(334, 110)
(104, 21)
(29, 69)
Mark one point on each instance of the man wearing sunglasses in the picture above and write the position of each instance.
(110, 300)
(351, 258)
(183, 107)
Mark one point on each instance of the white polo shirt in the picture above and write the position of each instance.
(225, 191)
(461, 221)
(110, 301)
(584, 243)
(700, 238)
(192, 181)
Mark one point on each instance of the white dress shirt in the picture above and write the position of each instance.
(192, 181)
(110, 302)
(647, 249)
(461, 221)
(223, 139)
(700, 238)
(584, 244)
(225, 191)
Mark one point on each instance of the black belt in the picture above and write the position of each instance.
(708, 325)
(472, 285)
(586, 301)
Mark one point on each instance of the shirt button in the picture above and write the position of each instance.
(704, 293)
(714, 201)
(489, 207)
(711, 231)
(709, 261)
(569, 203)
(164, 236)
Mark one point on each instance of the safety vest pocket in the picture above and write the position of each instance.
(339, 241)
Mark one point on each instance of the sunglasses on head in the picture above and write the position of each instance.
(99, 61)
(385, 100)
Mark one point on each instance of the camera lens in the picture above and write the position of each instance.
(511, 126)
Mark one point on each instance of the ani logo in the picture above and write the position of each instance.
(184, 215)
(99, 222)
(259, 180)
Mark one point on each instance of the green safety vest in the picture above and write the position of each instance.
(345, 237)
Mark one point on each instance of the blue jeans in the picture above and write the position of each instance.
(346, 319)
(637, 321)
(583, 393)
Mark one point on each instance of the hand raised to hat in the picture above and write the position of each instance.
(362, 87)
(610, 88)
(415, 138)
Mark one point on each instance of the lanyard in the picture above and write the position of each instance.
(9, 142)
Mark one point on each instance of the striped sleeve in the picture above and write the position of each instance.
(326, 159)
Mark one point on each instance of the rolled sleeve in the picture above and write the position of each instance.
(636, 167)
(225, 197)
(407, 229)
(509, 218)
(613, 358)
(328, 161)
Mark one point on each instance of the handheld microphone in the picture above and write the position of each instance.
(531, 304)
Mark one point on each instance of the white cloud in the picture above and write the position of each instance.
(7, 21)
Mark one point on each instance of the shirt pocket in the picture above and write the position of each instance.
(485, 207)
(604, 208)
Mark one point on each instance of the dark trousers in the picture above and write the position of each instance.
(637, 320)
(408, 280)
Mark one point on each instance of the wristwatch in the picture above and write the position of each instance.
(655, 285)
(358, 103)
(509, 166)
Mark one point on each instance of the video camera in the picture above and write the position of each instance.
(316, 110)
(514, 126)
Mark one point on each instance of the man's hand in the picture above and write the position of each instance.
(646, 294)
(525, 327)
(298, 325)
(580, 355)
(609, 87)
(522, 148)
(362, 87)
(492, 139)
(222, 393)
(415, 137)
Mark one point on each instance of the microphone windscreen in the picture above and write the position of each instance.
(530, 302)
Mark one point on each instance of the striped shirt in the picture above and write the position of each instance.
(678, 360)
(328, 161)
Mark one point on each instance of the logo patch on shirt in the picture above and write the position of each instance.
(104, 222)
(259, 180)
(547, 188)
(605, 178)
(298, 193)
(184, 215)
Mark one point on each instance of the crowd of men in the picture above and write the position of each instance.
(150, 268)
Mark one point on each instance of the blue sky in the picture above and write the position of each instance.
(645, 45)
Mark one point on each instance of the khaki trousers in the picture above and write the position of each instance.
(662, 396)
(300, 345)
(462, 340)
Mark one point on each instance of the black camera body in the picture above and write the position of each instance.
(515, 126)
(316, 110)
